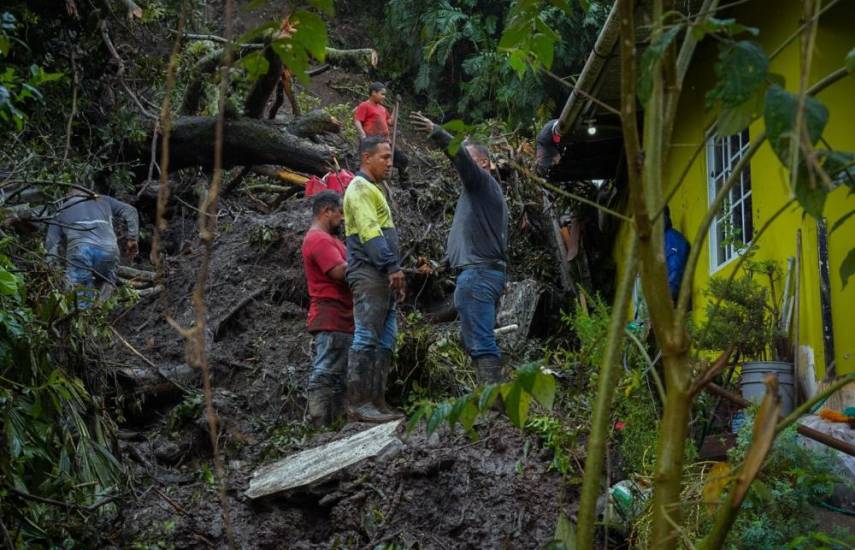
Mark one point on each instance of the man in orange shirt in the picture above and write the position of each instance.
(372, 119)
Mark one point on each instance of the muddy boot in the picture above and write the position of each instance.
(488, 369)
(360, 389)
(381, 375)
(319, 407)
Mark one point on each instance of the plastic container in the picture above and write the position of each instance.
(753, 382)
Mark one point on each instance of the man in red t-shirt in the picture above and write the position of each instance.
(372, 119)
(330, 310)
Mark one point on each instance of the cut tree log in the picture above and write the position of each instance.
(245, 142)
(312, 465)
(285, 176)
(362, 59)
(313, 123)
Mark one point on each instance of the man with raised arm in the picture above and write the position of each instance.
(85, 222)
(330, 311)
(377, 282)
(477, 249)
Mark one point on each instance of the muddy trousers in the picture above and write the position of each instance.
(476, 298)
(373, 310)
(329, 356)
(91, 271)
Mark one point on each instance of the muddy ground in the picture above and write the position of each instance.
(442, 492)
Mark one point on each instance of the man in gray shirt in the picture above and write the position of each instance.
(477, 250)
(85, 222)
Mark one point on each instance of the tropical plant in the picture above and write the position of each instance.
(55, 453)
(458, 61)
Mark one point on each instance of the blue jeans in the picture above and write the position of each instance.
(329, 355)
(374, 317)
(476, 298)
(94, 269)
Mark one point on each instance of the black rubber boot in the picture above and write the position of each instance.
(382, 364)
(488, 369)
(319, 406)
(360, 389)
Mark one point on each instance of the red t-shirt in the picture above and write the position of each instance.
(331, 303)
(374, 118)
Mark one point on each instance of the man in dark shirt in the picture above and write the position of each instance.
(330, 311)
(548, 148)
(477, 250)
(84, 222)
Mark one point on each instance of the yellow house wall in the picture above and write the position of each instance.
(770, 189)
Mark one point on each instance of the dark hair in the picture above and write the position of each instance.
(480, 147)
(376, 87)
(325, 199)
(370, 144)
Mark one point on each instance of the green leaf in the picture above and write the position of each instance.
(649, 58)
(741, 70)
(256, 65)
(425, 409)
(565, 532)
(850, 61)
(311, 33)
(732, 120)
(517, 402)
(730, 27)
(780, 118)
(455, 126)
(8, 283)
(440, 413)
(488, 396)
(512, 36)
(847, 268)
(526, 375)
(544, 389)
(5, 45)
(811, 197)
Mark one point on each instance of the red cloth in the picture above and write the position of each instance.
(374, 118)
(335, 181)
(331, 303)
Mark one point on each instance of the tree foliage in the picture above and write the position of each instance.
(468, 54)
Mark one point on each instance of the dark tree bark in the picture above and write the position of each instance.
(313, 123)
(258, 97)
(246, 142)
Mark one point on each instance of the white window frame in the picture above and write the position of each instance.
(731, 155)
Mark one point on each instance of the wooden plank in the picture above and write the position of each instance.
(312, 465)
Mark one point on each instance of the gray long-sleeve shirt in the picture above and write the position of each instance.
(479, 231)
(84, 220)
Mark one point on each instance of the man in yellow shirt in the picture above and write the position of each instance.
(377, 282)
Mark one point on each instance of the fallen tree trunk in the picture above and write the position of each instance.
(313, 123)
(362, 59)
(245, 142)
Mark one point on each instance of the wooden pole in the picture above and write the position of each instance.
(797, 275)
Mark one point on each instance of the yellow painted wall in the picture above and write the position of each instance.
(770, 189)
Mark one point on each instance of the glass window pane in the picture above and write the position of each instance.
(748, 229)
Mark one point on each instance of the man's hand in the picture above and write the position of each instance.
(397, 280)
(422, 123)
(133, 248)
(398, 283)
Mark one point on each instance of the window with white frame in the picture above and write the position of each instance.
(733, 227)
